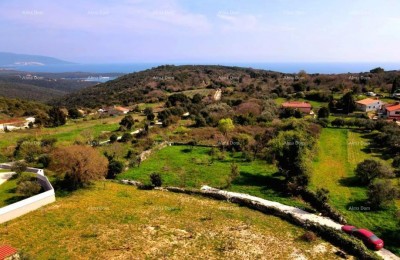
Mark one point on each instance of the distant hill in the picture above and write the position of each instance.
(154, 85)
(13, 59)
(43, 86)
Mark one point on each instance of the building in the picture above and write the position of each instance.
(114, 110)
(391, 111)
(7, 253)
(369, 104)
(15, 123)
(303, 107)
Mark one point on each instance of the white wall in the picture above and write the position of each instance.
(25, 206)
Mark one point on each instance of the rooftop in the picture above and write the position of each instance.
(367, 101)
(393, 107)
(296, 104)
(7, 251)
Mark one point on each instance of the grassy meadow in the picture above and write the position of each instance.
(187, 167)
(115, 221)
(340, 150)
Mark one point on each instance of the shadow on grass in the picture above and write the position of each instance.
(350, 182)
(272, 182)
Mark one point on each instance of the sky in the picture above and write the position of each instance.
(139, 31)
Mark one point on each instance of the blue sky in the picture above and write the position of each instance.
(105, 31)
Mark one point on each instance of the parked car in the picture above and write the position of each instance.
(369, 238)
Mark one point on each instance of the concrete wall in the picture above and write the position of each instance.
(32, 203)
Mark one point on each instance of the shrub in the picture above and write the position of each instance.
(19, 167)
(28, 188)
(322, 195)
(309, 236)
(396, 162)
(127, 122)
(323, 112)
(155, 179)
(338, 122)
(114, 168)
(126, 137)
(381, 193)
(369, 169)
(113, 138)
(45, 160)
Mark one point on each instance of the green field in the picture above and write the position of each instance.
(181, 166)
(340, 150)
(115, 221)
(65, 134)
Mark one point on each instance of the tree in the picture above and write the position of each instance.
(338, 122)
(19, 167)
(200, 121)
(369, 169)
(381, 193)
(29, 150)
(56, 117)
(395, 85)
(114, 168)
(148, 112)
(323, 112)
(225, 126)
(78, 165)
(127, 122)
(233, 174)
(126, 137)
(113, 138)
(377, 70)
(155, 179)
(348, 103)
(74, 113)
(197, 98)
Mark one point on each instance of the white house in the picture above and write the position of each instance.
(391, 111)
(369, 104)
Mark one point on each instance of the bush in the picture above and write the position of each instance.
(309, 236)
(28, 188)
(19, 167)
(155, 179)
(44, 160)
(381, 193)
(113, 138)
(127, 122)
(338, 122)
(114, 168)
(369, 169)
(323, 112)
(126, 137)
(322, 195)
(396, 162)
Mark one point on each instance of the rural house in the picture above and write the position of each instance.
(303, 107)
(369, 104)
(391, 111)
(7, 253)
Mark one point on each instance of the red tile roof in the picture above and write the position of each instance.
(296, 104)
(7, 251)
(393, 107)
(367, 101)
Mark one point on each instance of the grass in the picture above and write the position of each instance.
(110, 221)
(65, 134)
(8, 193)
(340, 150)
(182, 166)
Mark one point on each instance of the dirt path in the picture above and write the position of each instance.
(296, 212)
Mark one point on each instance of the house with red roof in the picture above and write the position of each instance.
(369, 104)
(8, 253)
(303, 107)
(391, 111)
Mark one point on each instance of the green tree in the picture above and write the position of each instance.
(225, 126)
(348, 103)
(369, 169)
(395, 85)
(56, 117)
(148, 112)
(382, 193)
(74, 113)
(127, 122)
(19, 167)
(114, 167)
(323, 112)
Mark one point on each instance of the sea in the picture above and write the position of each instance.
(285, 67)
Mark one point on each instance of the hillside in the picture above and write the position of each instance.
(114, 221)
(156, 84)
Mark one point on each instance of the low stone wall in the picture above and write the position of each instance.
(22, 207)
